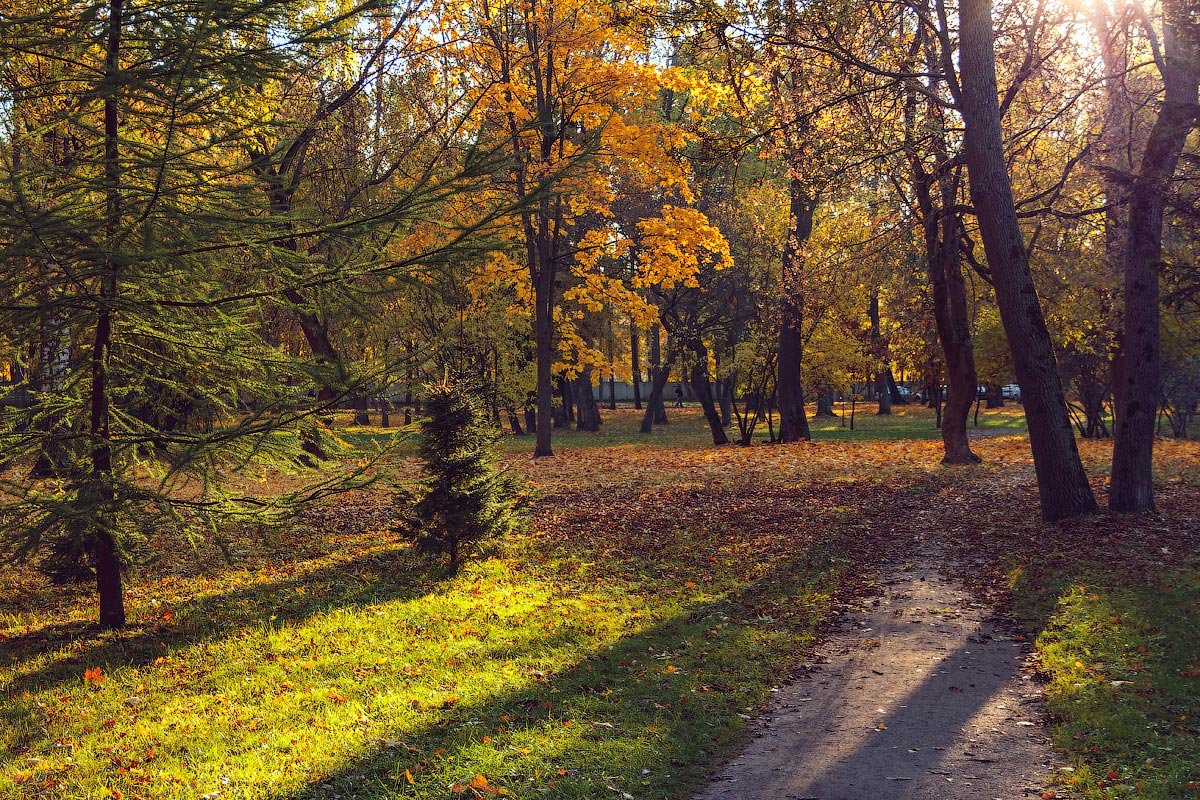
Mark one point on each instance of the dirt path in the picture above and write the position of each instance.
(919, 697)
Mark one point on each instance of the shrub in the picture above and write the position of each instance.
(464, 500)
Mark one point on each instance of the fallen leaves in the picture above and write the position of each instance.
(478, 787)
(93, 676)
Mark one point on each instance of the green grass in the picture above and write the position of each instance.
(345, 666)
(615, 648)
(1113, 604)
(686, 428)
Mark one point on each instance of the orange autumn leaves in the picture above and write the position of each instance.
(477, 787)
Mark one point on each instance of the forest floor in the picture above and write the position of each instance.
(625, 643)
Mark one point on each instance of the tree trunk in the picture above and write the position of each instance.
(385, 418)
(995, 396)
(793, 422)
(635, 365)
(703, 389)
(724, 396)
(657, 386)
(362, 414)
(514, 423)
(1062, 483)
(893, 390)
(100, 487)
(954, 331)
(659, 406)
(825, 404)
(566, 410)
(612, 391)
(879, 388)
(1132, 487)
(543, 335)
(588, 415)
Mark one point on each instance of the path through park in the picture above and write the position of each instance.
(921, 695)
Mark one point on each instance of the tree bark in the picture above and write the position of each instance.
(514, 422)
(825, 405)
(362, 413)
(543, 335)
(703, 389)
(588, 411)
(954, 331)
(1062, 483)
(658, 407)
(657, 386)
(724, 401)
(882, 390)
(893, 390)
(1132, 487)
(635, 365)
(793, 422)
(100, 483)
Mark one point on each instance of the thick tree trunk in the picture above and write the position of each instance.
(793, 422)
(995, 396)
(657, 386)
(883, 391)
(703, 389)
(385, 416)
(1062, 483)
(635, 365)
(1132, 487)
(954, 331)
(588, 414)
(825, 402)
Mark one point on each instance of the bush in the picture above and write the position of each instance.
(465, 499)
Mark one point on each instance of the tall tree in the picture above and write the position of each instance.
(1063, 486)
(1138, 381)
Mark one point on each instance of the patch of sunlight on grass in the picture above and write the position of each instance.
(1124, 674)
(566, 684)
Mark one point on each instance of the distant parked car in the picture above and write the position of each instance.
(904, 392)
(1012, 392)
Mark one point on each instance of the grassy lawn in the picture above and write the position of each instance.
(614, 648)
(686, 428)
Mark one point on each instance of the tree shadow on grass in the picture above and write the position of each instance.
(1113, 602)
(647, 716)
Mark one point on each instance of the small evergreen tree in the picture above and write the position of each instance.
(466, 500)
